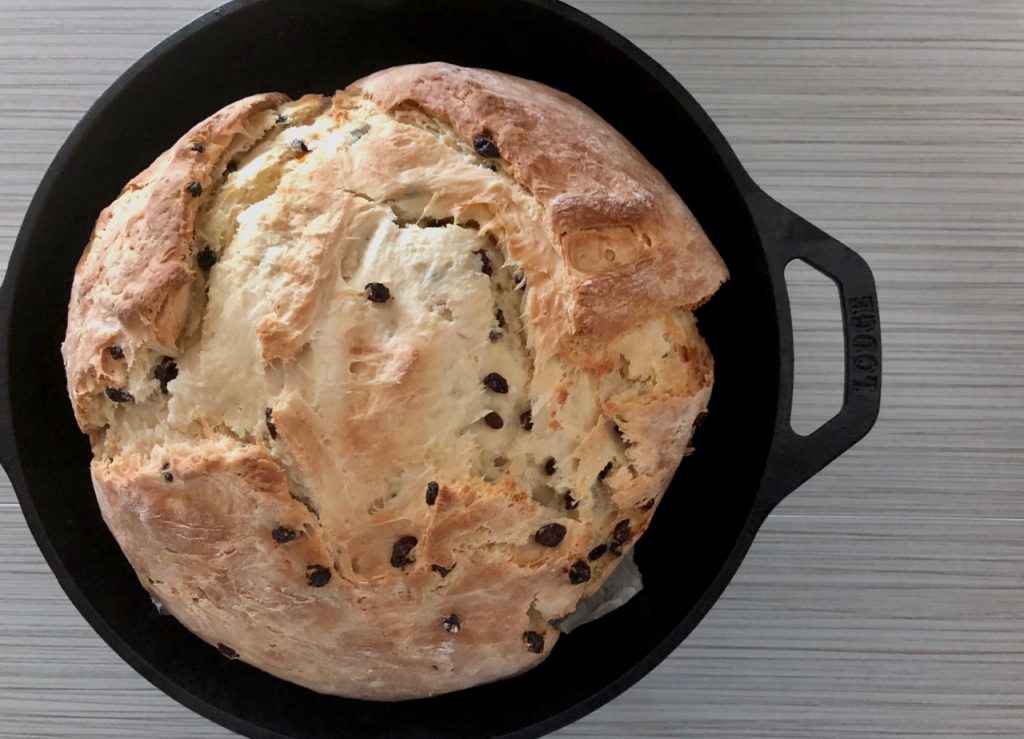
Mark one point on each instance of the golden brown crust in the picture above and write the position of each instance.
(132, 283)
(628, 247)
(269, 437)
(204, 545)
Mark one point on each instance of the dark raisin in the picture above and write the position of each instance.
(485, 146)
(232, 166)
(451, 624)
(571, 504)
(499, 316)
(166, 472)
(615, 548)
(549, 467)
(116, 352)
(648, 505)
(550, 535)
(118, 395)
(494, 335)
(377, 292)
(198, 147)
(519, 277)
(284, 535)
(165, 371)
(622, 532)
(432, 490)
(494, 420)
(485, 259)
(579, 572)
(604, 472)
(496, 382)
(299, 146)
(597, 552)
(281, 118)
(442, 571)
(401, 549)
(194, 189)
(205, 259)
(227, 651)
(268, 414)
(317, 575)
(526, 420)
(358, 133)
(534, 641)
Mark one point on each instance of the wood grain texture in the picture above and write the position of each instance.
(887, 595)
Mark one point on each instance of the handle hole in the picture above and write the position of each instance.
(818, 363)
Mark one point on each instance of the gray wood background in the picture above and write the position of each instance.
(887, 595)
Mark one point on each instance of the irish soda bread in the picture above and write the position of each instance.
(381, 383)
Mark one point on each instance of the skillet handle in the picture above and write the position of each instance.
(794, 458)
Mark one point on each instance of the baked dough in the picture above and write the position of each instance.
(381, 383)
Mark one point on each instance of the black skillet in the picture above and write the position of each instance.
(748, 456)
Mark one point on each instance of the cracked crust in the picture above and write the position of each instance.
(131, 286)
(627, 246)
(265, 436)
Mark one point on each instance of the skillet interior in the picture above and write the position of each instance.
(318, 45)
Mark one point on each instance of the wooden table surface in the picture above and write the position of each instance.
(884, 597)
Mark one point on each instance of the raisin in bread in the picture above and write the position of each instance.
(379, 384)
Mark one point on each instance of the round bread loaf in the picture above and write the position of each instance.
(381, 383)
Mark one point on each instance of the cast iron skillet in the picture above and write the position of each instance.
(748, 457)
